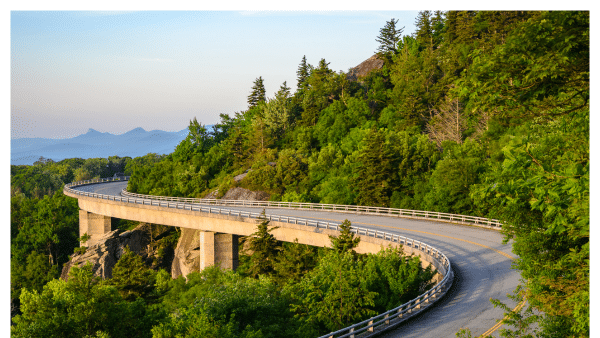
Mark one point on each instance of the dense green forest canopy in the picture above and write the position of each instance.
(483, 113)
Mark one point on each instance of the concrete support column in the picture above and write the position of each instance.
(218, 248)
(94, 225)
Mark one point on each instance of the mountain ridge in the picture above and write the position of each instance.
(93, 144)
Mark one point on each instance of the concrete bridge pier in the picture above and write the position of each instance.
(94, 225)
(218, 248)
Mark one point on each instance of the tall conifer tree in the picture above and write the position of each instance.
(388, 38)
(265, 248)
(258, 93)
(374, 175)
(437, 28)
(424, 29)
(303, 72)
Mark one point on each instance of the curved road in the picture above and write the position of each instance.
(481, 263)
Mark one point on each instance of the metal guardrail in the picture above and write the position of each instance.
(369, 327)
(404, 213)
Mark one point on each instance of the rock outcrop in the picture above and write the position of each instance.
(110, 247)
(374, 62)
(213, 194)
(242, 194)
(187, 253)
(106, 252)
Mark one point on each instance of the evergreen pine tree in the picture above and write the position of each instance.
(424, 33)
(199, 136)
(294, 261)
(345, 241)
(374, 175)
(303, 73)
(284, 91)
(277, 114)
(389, 36)
(437, 28)
(451, 26)
(131, 277)
(323, 68)
(465, 27)
(258, 93)
(264, 247)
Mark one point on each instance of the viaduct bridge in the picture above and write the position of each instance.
(480, 268)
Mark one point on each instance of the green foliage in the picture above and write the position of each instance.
(44, 177)
(49, 225)
(333, 295)
(218, 303)
(541, 190)
(32, 274)
(80, 251)
(131, 277)
(84, 238)
(145, 161)
(322, 87)
(417, 80)
(294, 261)
(374, 174)
(452, 178)
(541, 70)
(81, 307)
(264, 249)
(395, 277)
(277, 112)
(199, 136)
(346, 240)
(424, 33)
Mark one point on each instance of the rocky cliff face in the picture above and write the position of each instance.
(187, 253)
(106, 252)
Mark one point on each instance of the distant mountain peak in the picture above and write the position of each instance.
(138, 130)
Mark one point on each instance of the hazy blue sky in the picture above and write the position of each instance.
(114, 71)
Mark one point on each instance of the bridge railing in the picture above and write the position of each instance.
(369, 327)
(404, 213)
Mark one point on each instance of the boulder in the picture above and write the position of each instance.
(242, 194)
(240, 176)
(213, 194)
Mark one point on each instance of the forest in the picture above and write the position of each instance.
(482, 113)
